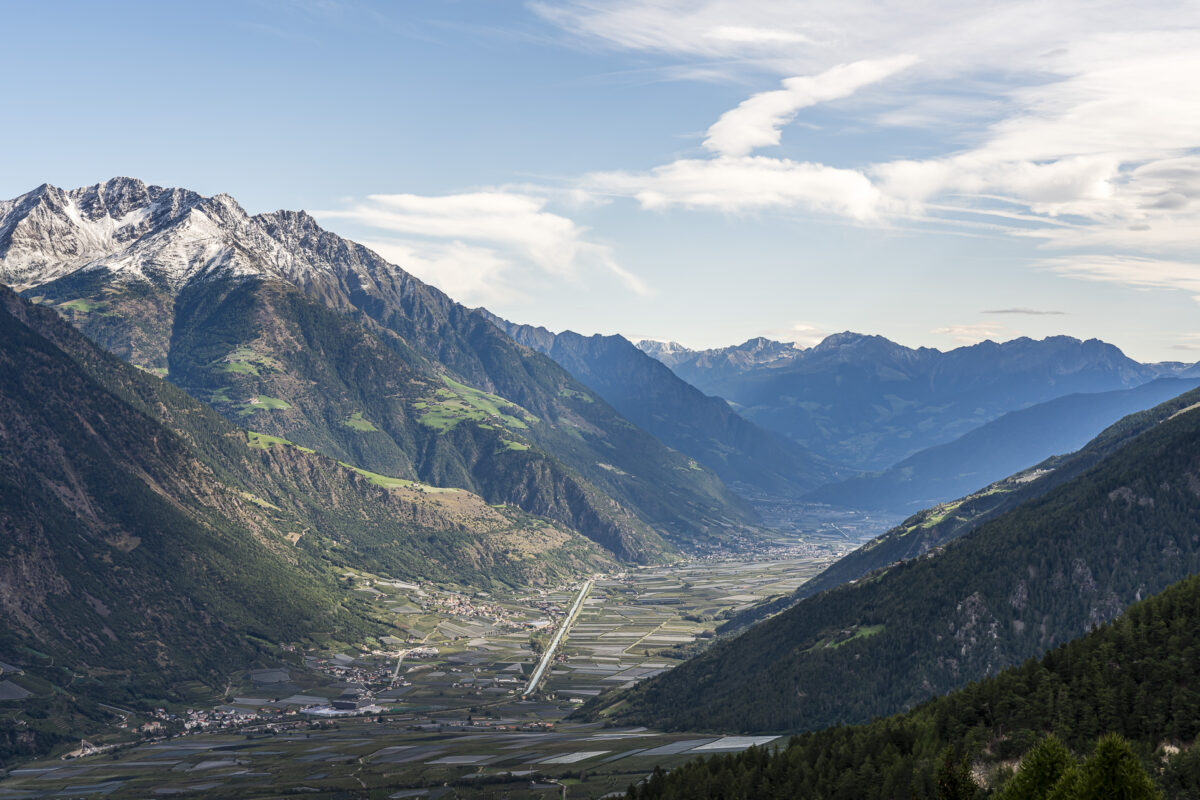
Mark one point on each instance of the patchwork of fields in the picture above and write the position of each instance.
(449, 720)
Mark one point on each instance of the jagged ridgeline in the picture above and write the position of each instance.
(292, 331)
(1039, 575)
(869, 402)
(1134, 677)
(145, 533)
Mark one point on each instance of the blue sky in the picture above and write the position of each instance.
(704, 171)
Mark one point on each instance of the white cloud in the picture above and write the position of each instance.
(516, 221)
(740, 34)
(970, 334)
(800, 333)
(471, 245)
(473, 276)
(1027, 312)
(1189, 341)
(1135, 271)
(808, 36)
(743, 184)
(1076, 123)
(758, 122)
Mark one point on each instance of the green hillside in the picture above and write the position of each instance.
(125, 553)
(151, 546)
(403, 381)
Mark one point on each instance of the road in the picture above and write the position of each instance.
(558, 637)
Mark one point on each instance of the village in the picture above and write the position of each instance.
(441, 699)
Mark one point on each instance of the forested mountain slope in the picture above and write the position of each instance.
(1023, 582)
(942, 523)
(1134, 676)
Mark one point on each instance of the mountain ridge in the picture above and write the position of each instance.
(649, 394)
(1006, 445)
(1041, 573)
(251, 314)
(868, 402)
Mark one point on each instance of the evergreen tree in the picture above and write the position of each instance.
(1040, 771)
(954, 781)
(1114, 772)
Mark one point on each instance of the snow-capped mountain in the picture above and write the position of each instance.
(292, 331)
(163, 235)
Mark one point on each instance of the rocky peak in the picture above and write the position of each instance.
(168, 236)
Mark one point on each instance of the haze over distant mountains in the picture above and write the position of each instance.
(1072, 555)
(868, 402)
(1007, 444)
(927, 426)
(704, 427)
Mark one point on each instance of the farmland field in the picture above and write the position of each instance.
(447, 718)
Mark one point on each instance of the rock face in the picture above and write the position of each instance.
(290, 330)
(165, 236)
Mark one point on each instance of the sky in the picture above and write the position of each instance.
(705, 172)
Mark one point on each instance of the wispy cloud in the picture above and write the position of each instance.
(1080, 130)
(1032, 312)
(758, 122)
(472, 275)
(472, 244)
(970, 334)
(1135, 271)
(1190, 342)
(733, 184)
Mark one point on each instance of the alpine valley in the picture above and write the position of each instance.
(279, 518)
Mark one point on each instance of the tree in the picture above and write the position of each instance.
(1041, 770)
(954, 781)
(1114, 772)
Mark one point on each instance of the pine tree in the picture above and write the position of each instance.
(1114, 772)
(954, 780)
(1040, 771)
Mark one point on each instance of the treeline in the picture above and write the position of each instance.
(1128, 693)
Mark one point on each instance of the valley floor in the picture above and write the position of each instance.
(451, 719)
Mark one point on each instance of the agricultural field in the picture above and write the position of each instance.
(442, 711)
(458, 402)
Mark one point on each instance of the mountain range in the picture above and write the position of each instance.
(650, 395)
(294, 332)
(208, 416)
(1044, 572)
(996, 449)
(868, 403)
